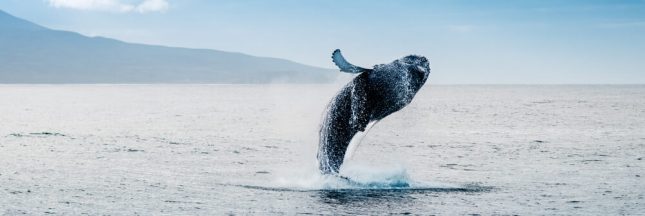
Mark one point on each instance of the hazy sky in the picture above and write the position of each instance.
(541, 41)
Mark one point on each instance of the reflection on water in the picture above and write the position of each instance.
(343, 197)
(388, 200)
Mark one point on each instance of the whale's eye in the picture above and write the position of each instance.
(420, 68)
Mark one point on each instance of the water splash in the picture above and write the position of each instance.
(357, 177)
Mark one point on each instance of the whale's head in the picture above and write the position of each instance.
(418, 67)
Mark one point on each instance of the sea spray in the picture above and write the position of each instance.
(355, 177)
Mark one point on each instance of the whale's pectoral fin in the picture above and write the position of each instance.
(360, 113)
(345, 66)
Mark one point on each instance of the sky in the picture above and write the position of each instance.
(467, 42)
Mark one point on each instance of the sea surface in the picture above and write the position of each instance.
(250, 150)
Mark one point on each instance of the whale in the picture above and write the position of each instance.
(370, 96)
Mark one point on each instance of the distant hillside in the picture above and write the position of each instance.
(30, 53)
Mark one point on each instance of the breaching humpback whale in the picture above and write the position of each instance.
(371, 96)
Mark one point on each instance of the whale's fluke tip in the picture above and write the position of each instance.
(344, 65)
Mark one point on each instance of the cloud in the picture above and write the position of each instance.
(152, 6)
(143, 6)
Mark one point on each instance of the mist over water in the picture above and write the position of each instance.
(208, 149)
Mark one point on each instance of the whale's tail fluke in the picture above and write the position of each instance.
(345, 66)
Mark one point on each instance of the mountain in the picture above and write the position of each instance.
(30, 53)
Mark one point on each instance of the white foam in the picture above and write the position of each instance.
(355, 176)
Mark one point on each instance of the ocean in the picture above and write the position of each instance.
(251, 150)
